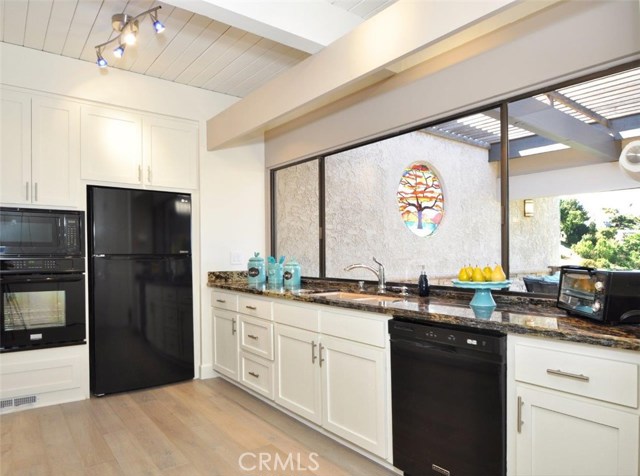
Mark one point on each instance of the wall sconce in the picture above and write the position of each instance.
(126, 26)
(528, 207)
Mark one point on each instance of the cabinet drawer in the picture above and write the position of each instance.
(589, 376)
(256, 336)
(355, 327)
(257, 374)
(296, 316)
(224, 300)
(255, 307)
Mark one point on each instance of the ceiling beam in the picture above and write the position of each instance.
(524, 143)
(306, 25)
(546, 121)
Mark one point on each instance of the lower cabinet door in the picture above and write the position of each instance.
(297, 372)
(562, 436)
(225, 342)
(355, 392)
(257, 374)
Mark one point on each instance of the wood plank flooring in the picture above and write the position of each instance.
(199, 427)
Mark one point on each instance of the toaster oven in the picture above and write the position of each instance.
(608, 296)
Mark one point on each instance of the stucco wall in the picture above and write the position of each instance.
(362, 217)
(297, 213)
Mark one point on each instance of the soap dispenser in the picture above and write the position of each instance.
(423, 283)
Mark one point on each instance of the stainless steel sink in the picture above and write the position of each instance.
(362, 298)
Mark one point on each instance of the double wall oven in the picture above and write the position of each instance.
(42, 278)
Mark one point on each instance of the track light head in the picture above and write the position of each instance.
(157, 24)
(119, 51)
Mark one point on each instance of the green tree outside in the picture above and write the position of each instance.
(616, 246)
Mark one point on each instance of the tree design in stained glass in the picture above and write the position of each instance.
(420, 199)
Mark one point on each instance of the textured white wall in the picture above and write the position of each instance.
(363, 219)
(297, 212)
(534, 242)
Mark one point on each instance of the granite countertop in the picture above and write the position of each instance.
(515, 313)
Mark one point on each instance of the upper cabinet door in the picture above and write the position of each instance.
(15, 148)
(55, 151)
(111, 145)
(171, 153)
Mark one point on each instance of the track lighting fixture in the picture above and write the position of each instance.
(126, 27)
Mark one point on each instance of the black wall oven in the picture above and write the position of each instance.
(42, 279)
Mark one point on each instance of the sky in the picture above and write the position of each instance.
(626, 201)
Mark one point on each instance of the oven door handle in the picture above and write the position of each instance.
(49, 278)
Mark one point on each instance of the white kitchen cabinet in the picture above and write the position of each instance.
(575, 410)
(170, 152)
(40, 150)
(560, 436)
(298, 373)
(225, 342)
(336, 378)
(15, 161)
(125, 147)
(354, 392)
(111, 145)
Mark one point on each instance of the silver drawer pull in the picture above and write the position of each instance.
(233, 326)
(519, 416)
(320, 347)
(560, 373)
(251, 336)
(313, 352)
(441, 470)
(253, 308)
(253, 374)
(221, 301)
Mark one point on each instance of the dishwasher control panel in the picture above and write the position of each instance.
(472, 339)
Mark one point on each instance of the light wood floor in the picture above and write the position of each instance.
(199, 427)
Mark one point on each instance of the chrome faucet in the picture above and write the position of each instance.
(382, 284)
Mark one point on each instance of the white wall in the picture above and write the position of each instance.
(229, 176)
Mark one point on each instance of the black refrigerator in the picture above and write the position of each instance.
(140, 288)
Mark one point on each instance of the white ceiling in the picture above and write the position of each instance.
(228, 46)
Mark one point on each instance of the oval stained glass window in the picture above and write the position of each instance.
(420, 199)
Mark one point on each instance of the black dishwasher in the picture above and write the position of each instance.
(448, 400)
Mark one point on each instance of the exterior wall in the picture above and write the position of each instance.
(362, 217)
(297, 208)
(534, 241)
(362, 214)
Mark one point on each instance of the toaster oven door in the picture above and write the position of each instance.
(578, 292)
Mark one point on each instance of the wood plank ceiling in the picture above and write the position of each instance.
(193, 50)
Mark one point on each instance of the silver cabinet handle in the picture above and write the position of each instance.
(251, 336)
(35, 190)
(26, 187)
(519, 415)
(221, 300)
(320, 347)
(313, 352)
(441, 470)
(253, 308)
(139, 173)
(560, 373)
(233, 326)
(149, 173)
(253, 374)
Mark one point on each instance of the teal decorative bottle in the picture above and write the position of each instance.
(292, 275)
(256, 275)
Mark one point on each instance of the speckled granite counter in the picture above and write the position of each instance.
(514, 314)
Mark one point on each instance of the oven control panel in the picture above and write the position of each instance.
(41, 265)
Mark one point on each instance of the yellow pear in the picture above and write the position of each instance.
(486, 272)
(462, 275)
(498, 274)
(469, 270)
(477, 275)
